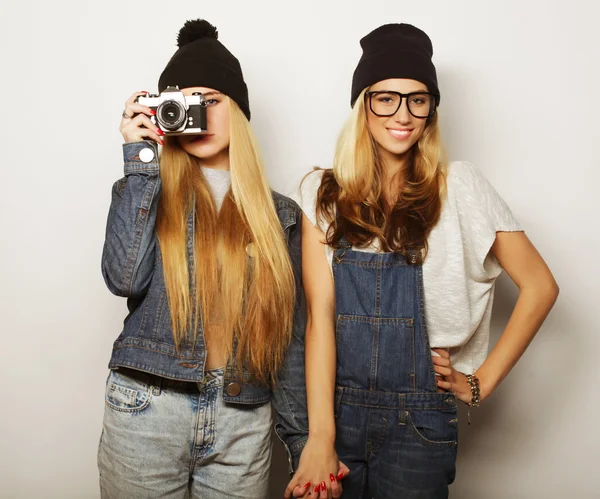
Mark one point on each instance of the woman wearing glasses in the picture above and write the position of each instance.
(399, 263)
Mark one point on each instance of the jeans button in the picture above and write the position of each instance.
(233, 389)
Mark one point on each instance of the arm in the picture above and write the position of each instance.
(320, 336)
(537, 294)
(319, 460)
(129, 246)
(289, 393)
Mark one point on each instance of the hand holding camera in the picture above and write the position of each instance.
(136, 124)
(168, 113)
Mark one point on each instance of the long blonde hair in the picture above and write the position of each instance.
(351, 196)
(251, 297)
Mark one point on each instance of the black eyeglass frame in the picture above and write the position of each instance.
(436, 100)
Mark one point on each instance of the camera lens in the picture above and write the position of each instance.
(171, 115)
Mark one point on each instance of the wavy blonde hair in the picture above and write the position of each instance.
(351, 196)
(250, 298)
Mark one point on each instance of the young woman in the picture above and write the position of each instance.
(400, 255)
(209, 259)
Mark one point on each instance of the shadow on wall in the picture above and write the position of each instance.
(509, 423)
(279, 469)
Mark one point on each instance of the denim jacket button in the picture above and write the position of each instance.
(146, 155)
(233, 389)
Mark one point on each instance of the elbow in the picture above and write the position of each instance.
(543, 291)
(548, 291)
(113, 282)
(550, 288)
(553, 291)
(119, 286)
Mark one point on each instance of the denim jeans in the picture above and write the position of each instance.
(173, 439)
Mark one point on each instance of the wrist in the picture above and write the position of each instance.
(487, 384)
(322, 436)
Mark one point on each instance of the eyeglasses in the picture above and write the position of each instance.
(387, 103)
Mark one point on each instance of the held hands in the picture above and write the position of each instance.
(451, 380)
(135, 123)
(319, 472)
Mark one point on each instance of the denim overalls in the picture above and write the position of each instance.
(395, 432)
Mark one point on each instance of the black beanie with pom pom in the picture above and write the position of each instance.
(203, 61)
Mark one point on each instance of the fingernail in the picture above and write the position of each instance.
(307, 485)
(152, 111)
(323, 486)
(162, 142)
(331, 477)
(340, 475)
(317, 488)
(144, 91)
(160, 132)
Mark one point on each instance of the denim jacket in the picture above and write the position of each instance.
(132, 267)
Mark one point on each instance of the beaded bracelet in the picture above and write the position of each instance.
(473, 381)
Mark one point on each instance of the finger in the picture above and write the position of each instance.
(335, 487)
(443, 371)
(139, 127)
(133, 127)
(442, 352)
(135, 109)
(134, 96)
(290, 489)
(316, 492)
(324, 491)
(344, 470)
(139, 134)
(340, 490)
(300, 490)
(441, 361)
(446, 385)
(143, 120)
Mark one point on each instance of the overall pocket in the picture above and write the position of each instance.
(435, 426)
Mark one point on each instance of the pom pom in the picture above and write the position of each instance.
(194, 30)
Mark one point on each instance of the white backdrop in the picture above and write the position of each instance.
(519, 87)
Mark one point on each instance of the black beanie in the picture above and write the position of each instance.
(394, 51)
(203, 61)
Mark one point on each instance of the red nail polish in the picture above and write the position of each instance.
(317, 488)
(331, 477)
(323, 486)
(307, 485)
(144, 91)
(162, 142)
(153, 112)
(160, 132)
(340, 475)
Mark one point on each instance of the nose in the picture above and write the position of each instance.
(403, 116)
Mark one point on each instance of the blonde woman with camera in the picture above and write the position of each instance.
(209, 260)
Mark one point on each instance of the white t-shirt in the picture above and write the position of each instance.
(459, 271)
(219, 182)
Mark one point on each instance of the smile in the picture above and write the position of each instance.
(400, 134)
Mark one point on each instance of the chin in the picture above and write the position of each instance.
(397, 149)
(203, 152)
